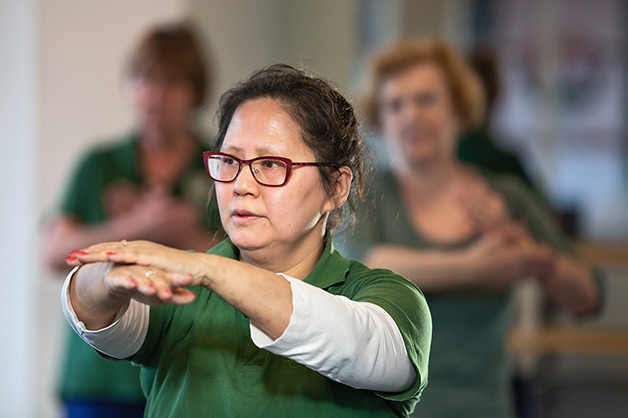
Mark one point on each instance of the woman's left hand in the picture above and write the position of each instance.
(143, 253)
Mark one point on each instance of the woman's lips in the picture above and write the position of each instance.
(244, 216)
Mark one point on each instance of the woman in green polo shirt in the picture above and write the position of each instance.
(272, 321)
(147, 184)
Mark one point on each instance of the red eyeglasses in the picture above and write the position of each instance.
(268, 171)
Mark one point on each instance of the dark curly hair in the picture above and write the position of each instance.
(326, 119)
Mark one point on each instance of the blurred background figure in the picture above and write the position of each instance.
(476, 146)
(148, 183)
(463, 235)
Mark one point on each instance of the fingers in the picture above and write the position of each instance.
(151, 286)
(182, 296)
(121, 252)
(143, 253)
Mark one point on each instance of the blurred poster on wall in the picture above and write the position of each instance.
(563, 101)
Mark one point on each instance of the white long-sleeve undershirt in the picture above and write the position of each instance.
(354, 343)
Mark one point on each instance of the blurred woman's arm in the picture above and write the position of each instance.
(572, 285)
(497, 258)
(157, 217)
(67, 233)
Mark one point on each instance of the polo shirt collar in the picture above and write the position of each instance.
(331, 269)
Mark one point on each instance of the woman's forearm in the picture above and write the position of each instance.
(263, 296)
(572, 286)
(93, 304)
(428, 269)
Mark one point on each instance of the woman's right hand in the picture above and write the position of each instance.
(151, 286)
(99, 290)
(506, 254)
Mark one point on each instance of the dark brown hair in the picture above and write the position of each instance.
(173, 49)
(326, 119)
(466, 90)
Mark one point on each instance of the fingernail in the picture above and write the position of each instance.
(167, 291)
(150, 285)
(131, 281)
(70, 258)
(110, 253)
(79, 252)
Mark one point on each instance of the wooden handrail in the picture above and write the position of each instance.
(553, 340)
(602, 254)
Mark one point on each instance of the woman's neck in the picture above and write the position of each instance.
(295, 260)
(163, 159)
(429, 179)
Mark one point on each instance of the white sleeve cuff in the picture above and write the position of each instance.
(354, 343)
(123, 338)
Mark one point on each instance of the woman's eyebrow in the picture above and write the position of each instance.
(231, 149)
(266, 150)
(260, 150)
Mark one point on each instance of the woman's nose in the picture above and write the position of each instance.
(411, 110)
(245, 183)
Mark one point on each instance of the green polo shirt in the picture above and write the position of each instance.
(199, 360)
(85, 375)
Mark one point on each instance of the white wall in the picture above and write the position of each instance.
(245, 35)
(18, 168)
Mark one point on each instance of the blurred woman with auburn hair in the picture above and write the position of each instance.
(464, 236)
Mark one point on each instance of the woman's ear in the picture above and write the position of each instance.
(342, 186)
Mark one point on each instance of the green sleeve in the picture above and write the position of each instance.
(407, 306)
(524, 206)
(83, 194)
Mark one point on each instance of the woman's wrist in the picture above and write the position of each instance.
(90, 294)
(204, 264)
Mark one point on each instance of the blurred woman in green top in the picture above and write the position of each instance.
(465, 237)
(147, 184)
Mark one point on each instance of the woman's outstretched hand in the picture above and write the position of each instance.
(142, 253)
(149, 285)
(151, 273)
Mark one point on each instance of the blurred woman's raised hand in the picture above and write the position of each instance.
(484, 207)
(507, 254)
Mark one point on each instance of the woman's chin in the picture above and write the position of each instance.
(246, 242)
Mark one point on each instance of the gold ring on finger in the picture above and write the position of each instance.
(123, 242)
(148, 273)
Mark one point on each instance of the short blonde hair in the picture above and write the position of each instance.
(466, 89)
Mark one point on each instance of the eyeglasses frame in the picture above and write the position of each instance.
(289, 164)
